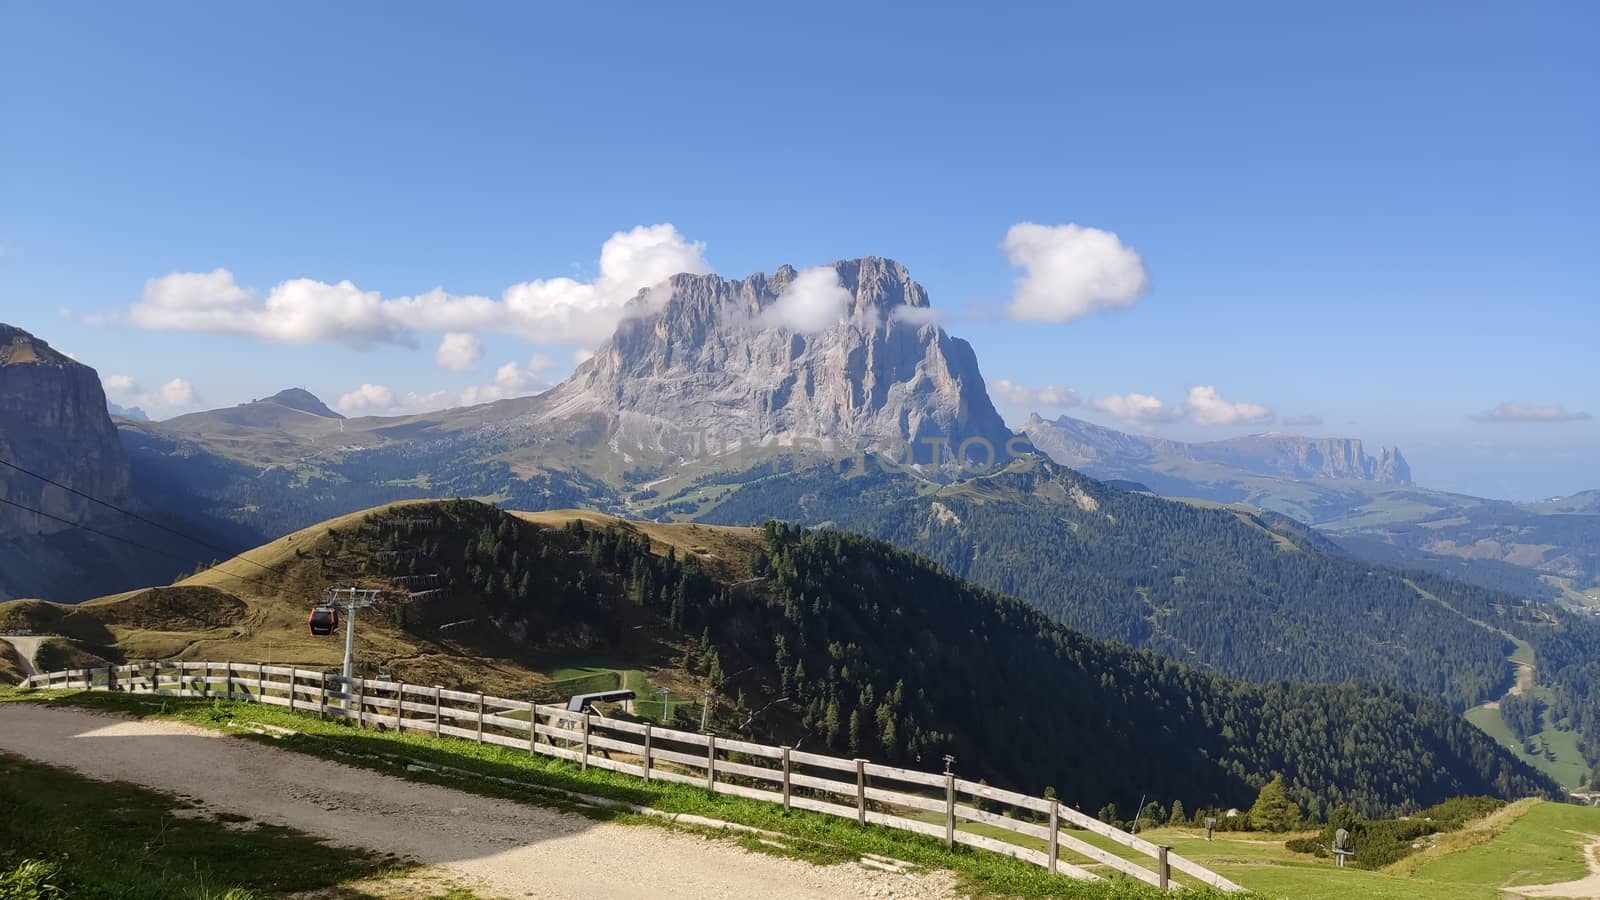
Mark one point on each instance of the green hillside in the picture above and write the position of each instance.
(824, 640)
(1213, 587)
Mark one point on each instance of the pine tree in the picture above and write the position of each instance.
(1177, 817)
(1273, 810)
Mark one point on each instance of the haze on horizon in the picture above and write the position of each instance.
(1352, 222)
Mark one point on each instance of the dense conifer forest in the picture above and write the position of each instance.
(843, 644)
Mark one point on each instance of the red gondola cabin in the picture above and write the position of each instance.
(324, 619)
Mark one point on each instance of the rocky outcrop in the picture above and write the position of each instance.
(1074, 442)
(1305, 457)
(1392, 468)
(715, 367)
(53, 421)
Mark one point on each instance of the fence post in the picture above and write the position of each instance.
(438, 720)
(647, 751)
(291, 688)
(950, 809)
(861, 792)
(533, 727)
(361, 703)
(1055, 834)
(261, 680)
(111, 678)
(711, 763)
(322, 695)
(786, 773)
(1163, 868)
(585, 764)
(205, 679)
(229, 664)
(480, 718)
(399, 707)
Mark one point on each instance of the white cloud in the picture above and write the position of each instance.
(918, 315)
(1138, 408)
(173, 396)
(1512, 412)
(513, 379)
(303, 310)
(1050, 396)
(814, 301)
(581, 356)
(1072, 271)
(178, 392)
(1206, 407)
(1203, 406)
(369, 399)
(459, 351)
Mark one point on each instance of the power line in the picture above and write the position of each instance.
(133, 543)
(114, 537)
(206, 544)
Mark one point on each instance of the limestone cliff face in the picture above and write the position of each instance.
(711, 361)
(1074, 442)
(53, 421)
(1304, 457)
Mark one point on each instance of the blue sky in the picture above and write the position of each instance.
(1382, 218)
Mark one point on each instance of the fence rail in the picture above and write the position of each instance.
(924, 803)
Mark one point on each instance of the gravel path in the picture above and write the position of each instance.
(495, 847)
(1582, 888)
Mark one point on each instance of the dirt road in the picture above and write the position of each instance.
(27, 648)
(1573, 890)
(497, 848)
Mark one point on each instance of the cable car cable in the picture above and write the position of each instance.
(206, 544)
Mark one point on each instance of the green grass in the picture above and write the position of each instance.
(1544, 845)
(1523, 655)
(571, 680)
(115, 840)
(1568, 767)
(810, 835)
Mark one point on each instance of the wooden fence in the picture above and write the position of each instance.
(921, 802)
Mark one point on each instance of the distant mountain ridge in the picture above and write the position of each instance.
(1369, 504)
(287, 406)
(1074, 442)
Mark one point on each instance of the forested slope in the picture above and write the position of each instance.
(1209, 586)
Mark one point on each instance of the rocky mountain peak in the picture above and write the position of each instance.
(835, 355)
(302, 400)
(18, 347)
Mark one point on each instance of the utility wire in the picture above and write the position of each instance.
(131, 542)
(206, 544)
(114, 537)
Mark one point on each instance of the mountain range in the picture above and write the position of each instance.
(832, 397)
(1368, 504)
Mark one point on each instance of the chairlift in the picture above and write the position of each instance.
(323, 621)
